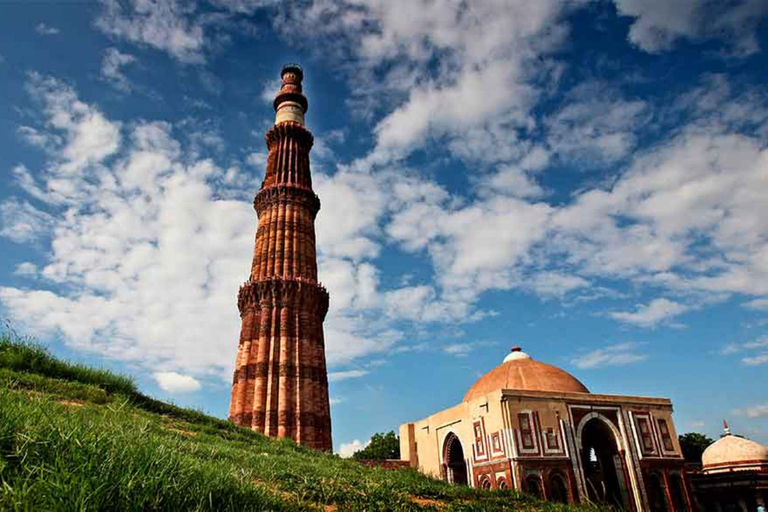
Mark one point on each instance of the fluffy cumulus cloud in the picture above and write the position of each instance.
(758, 304)
(173, 382)
(111, 66)
(148, 258)
(685, 213)
(167, 25)
(149, 240)
(86, 137)
(595, 125)
(651, 314)
(676, 209)
(149, 245)
(612, 355)
(658, 25)
(346, 450)
(756, 411)
(20, 221)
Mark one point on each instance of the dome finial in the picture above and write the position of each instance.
(516, 354)
(726, 430)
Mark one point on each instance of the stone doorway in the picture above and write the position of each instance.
(455, 464)
(603, 465)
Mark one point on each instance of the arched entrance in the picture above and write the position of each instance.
(558, 490)
(603, 466)
(533, 486)
(455, 465)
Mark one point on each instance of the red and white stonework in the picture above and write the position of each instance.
(531, 426)
(280, 384)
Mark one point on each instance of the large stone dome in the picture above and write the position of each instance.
(733, 453)
(519, 371)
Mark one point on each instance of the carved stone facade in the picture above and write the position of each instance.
(533, 427)
(280, 384)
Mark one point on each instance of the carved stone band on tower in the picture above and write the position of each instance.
(280, 385)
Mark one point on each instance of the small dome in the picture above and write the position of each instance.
(520, 371)
(733, 453)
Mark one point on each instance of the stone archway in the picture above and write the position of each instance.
(533, 486)
(602, 463)
(558, 488)
(455, 464)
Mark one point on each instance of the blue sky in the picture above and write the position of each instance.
(585, 179)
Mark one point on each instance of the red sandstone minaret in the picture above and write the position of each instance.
(280, 386)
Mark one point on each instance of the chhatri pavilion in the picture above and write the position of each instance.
(534, 427)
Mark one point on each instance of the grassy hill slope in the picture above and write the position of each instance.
(77, 438)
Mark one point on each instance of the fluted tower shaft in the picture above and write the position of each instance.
(280, 384)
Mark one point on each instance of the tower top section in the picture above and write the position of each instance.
(290, 103)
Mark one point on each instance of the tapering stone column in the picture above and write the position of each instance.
(280, 385)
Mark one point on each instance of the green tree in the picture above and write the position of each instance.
(382, 446)
(693, 445)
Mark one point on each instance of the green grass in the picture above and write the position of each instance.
(76, 438)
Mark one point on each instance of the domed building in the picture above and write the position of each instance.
(532, 426)
(734, 475)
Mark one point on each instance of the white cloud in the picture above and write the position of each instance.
(555, 284)
(243, 6)
(660, 222)
(352, 204)
(89, 138)
(148, 260)
(110, 68)
(613, 355)
(46, 30)
(269, 90)
(173, 382)
(684, 215)
(346, 450)
(758, 304)
(595, 125)
(753, 358)
(22, 222)
(257, 160)
(758, 359)
(38, 138)
(652, 314)
(349, 374)
(658, 25)
(483, 46)
(26, 269)
(167, 25)
(463, 349)
(756, 411)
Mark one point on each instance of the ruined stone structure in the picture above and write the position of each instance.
(280, 384)
(534, 427)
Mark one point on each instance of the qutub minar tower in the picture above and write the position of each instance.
(280, 385)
